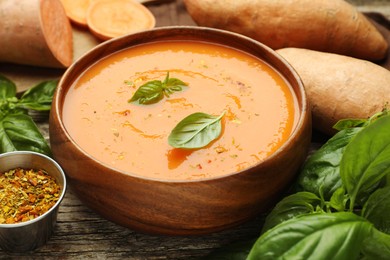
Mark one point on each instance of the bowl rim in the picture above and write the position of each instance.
(304, 108)
(55, 206)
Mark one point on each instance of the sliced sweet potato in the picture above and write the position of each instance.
(107, 19)
(339, 87)
(76, 10)
(35, 32)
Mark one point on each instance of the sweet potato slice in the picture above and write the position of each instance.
(324, 25)
(107, 19)
(339, 87)
(76, 10)
(35, 32)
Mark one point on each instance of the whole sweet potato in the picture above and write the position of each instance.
(324, 25)
(338, 86)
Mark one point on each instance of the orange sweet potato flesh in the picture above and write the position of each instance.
(35, 32)
(76, 10)
(324, 25)
(339, 87)
(107, 19)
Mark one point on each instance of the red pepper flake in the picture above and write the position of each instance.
(26, 194)
(33, 182)
(123, 113)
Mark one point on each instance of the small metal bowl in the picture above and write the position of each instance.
(29, 235)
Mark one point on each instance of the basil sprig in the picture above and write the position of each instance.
(196, 131)
(155, 90)
(321, 172)
(18, 130)
(341, 216)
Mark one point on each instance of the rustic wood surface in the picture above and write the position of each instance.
(80, 233)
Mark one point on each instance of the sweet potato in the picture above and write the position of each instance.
(107, 19)
(76, 10)
(338, 86)
(35, 32)
(324, 25)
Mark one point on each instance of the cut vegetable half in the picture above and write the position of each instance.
(76, 10)
(35, 32)
(108, 19)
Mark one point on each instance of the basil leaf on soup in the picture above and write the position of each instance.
(155, 90)
(377, 209)
(336, 236)
(196, 131)
(19, 132)
(172, 84)
(366, 159)
(292, 206)
(39, 97)
(148, 93)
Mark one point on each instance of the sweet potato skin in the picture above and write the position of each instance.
(329, 26)
(338, 86)
(35, 32)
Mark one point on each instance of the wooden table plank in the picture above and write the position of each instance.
(81, 233)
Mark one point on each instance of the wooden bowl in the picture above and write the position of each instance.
(180, 207)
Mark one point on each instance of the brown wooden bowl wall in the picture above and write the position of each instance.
(181, 207)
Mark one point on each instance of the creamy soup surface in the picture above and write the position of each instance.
(260, 110)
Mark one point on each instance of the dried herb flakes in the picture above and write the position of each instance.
(26, 194)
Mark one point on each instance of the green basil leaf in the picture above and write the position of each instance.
(290, 207)
(315, 236)
(19, 132)
(174, 84)
(153, 91)
(376, 246)
(377, 209)
(39, 97)
(148, 93)
(349, 123)
(7, 88)
(321, 172)
(366, 159)
(339, 199)
(196, 131)
(386, 181)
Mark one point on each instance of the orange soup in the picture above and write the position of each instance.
(260, 110)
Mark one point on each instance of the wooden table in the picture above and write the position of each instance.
(80, 233)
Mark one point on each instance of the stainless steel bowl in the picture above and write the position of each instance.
(29, 235)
